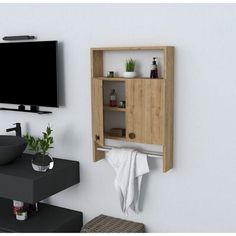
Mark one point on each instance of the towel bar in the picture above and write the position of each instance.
(157, 155)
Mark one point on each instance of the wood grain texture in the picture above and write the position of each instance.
(144, 110)
(137, 48)
(117, 109)
(108, 136)
(97, 155)
(168, 109)
(149, 104)
(97, 101)
(114, 79)
(97, 113)
(96, 63)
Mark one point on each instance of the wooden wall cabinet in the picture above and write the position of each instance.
(148, 115)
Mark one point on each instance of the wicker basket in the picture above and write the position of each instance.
(108, 224)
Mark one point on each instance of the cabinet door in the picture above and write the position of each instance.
(97, 111)
(144, 110)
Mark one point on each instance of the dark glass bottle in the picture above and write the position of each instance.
(154, 68)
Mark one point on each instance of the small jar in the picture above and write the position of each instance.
(21, 215)
(110, 74)
(122, 104)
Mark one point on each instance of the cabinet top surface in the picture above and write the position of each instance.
(22, 168)
(136, 48)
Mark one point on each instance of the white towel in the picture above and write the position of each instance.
(129, 166)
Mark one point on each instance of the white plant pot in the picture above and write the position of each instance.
(130, 74)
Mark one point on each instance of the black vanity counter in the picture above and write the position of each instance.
(18, 180)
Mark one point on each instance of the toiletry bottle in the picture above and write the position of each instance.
(154, 68)
(113, 98)
(17, 205)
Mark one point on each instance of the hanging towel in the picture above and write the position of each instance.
(129, 166)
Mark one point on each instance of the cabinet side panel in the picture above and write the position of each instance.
(97, 155)
(96, 63)
(168, 113)
(144, 113)
(97, 115)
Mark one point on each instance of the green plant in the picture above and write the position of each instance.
(130, 65)
(40, 144)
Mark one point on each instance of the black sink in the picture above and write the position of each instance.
(11, 147)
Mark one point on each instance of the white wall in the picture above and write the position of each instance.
(199, 194)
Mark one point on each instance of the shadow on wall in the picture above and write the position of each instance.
(61, 75)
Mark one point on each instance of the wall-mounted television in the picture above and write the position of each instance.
(28, 73)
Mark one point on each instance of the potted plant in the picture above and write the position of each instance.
(41, 161)
(130, 68)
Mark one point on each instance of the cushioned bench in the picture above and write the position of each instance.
(108, 224)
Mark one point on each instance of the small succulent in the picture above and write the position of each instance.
(130, 65)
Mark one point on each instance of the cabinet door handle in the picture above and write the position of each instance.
(131, 135)
(97, 137)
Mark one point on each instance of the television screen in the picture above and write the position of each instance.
(28, 73)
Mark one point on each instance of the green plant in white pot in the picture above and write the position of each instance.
(130, 68)
(41, 161)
